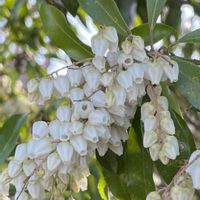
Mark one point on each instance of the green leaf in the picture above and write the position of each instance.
(192, 37)
(71, 6)
(9, 134)
(173, 103)
(189, 81)
(60, 33)
(161, 31)
(154, 8)
(105, 12)
(187, 146)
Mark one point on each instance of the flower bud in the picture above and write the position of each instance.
(137, 42)
(79, 144)
(109, 98)
(110, 34)
(53, 161)
(14, 168)
(154, 151)
(75, 76)
(64, 131)
(150, 137)
(167, 125)
(146, 110)
(19, 181)
(137, 72)
(28, 167)
(98, 99)
(61, 84)
(76, 94)
(40, 129)
(100, 63)
(171, 147)
(153, 196)
(54, 129)
(46, 88)
(127, 46)
(125, 80)
(76, 128)
(90, 134)
(179, 193)
(107, 79)
(150, 123)
(35, 189)
(163, 102)
(163, 158)
(20, 153)
(63, 113)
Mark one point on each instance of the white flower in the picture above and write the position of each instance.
(137, 42)
(46, 88)
(20, 153)
(112, 58)
(100, 63)
(40, 129)
(76, 94)
(125, 60)
(117, 149)
(125, 79)
(167, 125)
(115, 138)
(98, 99)
(119, 96)
(64, 130)
(19, 181)
(54, 129)
(35, 189)
(28, 167)
(103, 133)
(87, 91)
(76, 127)
(110, 34)
(32, 86)
(140, 55)
(75, 76)
(132, 94)
(149, 138)
(150, 123)
(63, 113)
(153, 196)
(163, 102)
(102, 148)
(172, 71)
(61, 84)
(109, 98)
(14, 168)
(163, 158)
(79, 144)
(137, 72)
(107, 79)
(180, 193)
(99, 44)
(53, 161)
(90, 134)
(127, 46)
(154, 151)
(146, 110)
(23, 196)
(65, 151)
(99, 117)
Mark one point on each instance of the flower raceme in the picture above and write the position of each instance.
(103, 93)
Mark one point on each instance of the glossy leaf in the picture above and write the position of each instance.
(192, 37)
(161, 31)
(189, 81)
(187, 146)
(71, 6)
(9, 134)
(105, 12)
(154, 8)
(61, 34)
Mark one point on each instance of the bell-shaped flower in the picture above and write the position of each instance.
(54, 129)
(92, 78)
(102, 148)
(76, 94)
(110, 34)
(175, 71)
(103, 133)
(115, 138)
(90, 134)
(40, 129)
(171, 147)
(149, 138)
(76, 127)
(98, 99)
(163, 102)
(99, 44)
(154, 72)
(167, 125)
(117, 149)
(63, 113)
(21, 153)
(150, 123)
(120, 96)
(100, 63)
(19, 181)
(195, 174)
(46, 88)
(140, 55)
(112, 58)
(29, 167)
(79, 144)
(146, 110)
(99, 117)
(44, 147)
(154, 151)
(75, 76)
(87, 91)
(141, 89)
(125, 60)
(118, 110)
(14, 168)
(65, 151)
(64, 130)
(35, 189)
(163, 158)
(32, 86)
(127, 46)
(172, 71)
(125, 79)
(153, 196)
(180, 193)
(137, 72)
(21, 196)
(109, 98)
(53, 161)
(61, 84)
(132, 94)
(164, 114)
(107, 79)
(137, 42)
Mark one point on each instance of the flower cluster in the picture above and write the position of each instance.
(159, 128)
(103, 94)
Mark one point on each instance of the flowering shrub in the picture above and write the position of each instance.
(104, 95)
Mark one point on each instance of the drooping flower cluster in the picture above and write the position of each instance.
(159, 128)
(103, 93)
